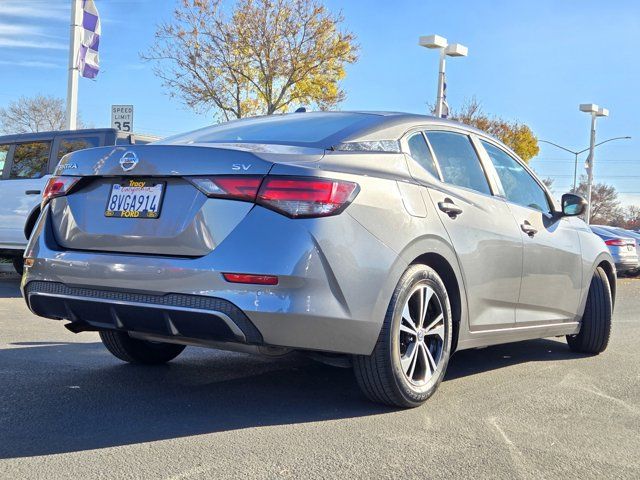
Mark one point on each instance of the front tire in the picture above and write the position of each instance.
(410, 358)
(596, 321)
(132, 350)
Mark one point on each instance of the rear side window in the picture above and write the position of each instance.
(518, 184)
(30, 160)
(4, 151)
(420, 152)
(71, 144)
(458, 161)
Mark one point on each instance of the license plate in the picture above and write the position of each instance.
(135, 199)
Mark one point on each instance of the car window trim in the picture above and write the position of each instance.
(550, 203)
(493, 188)
(53, 157)
(404, 145)
(8, 161)
(46, 172)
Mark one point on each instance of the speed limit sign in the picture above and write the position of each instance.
(122, 117)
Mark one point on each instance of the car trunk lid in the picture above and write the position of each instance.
(186, 222)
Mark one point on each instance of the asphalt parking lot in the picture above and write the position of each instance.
(68, 409)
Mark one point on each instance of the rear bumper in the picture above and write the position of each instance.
(173, 315)
(330, 296)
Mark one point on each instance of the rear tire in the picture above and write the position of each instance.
(596, 321)
(18, 264)
(389, 375)
(132, 350)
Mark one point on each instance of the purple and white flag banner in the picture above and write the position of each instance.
(88, 60)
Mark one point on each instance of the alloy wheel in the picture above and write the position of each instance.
(422, 335)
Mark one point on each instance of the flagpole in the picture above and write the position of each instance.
(72, 79)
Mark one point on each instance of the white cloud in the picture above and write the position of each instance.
(13, 29)
(35, 9)
(29, 64)
(14, 35)
(25, 43)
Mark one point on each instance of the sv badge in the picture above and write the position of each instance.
(240, 166)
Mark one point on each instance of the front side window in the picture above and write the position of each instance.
(518, 184)
(4, 151)
(458, 161)
(71, 144)
(30, 160)
(419, 151)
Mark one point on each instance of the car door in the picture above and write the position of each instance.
(552, 266)
(24, 178)
(481, 227)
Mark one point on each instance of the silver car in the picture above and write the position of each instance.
(623, 233)
(386, 239)
(622, 246)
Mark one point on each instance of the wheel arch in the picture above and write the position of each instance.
(610, 270)
(31, 221)
(604, 261)
(438, 254)
(448, 276)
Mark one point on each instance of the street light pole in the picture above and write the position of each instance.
(589, 165)
(446, 50)
(441, 74)
(595, 112)
(575, 154)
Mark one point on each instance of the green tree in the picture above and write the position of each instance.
(516, 135)
(259, 57)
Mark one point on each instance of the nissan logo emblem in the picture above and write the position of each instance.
(128, 161)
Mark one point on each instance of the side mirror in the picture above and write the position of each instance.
(573, 205)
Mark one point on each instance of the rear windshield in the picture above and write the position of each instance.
(319, 129)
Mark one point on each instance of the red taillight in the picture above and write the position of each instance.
(250, 278)
(58, 187)
(301, 197)
(616, 242)
(239, 187)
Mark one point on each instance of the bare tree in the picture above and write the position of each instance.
(261, 58)
(605, 205)
(33, 114)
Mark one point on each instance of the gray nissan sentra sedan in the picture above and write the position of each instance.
(388, 239)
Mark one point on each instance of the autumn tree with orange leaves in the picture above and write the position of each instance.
(257, 57)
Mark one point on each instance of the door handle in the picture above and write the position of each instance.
(33, 192)
(528, 229)
(450, 208)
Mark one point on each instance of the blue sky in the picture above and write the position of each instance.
(534, 61)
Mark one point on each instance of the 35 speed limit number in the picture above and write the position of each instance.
(122, 117)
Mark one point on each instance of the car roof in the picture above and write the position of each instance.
(620, 230)
(18, 137)
(374, 126)
(395, 124)
(35, 136)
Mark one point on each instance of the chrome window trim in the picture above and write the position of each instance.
(551, 204)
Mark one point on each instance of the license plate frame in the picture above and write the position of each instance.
(137, 183)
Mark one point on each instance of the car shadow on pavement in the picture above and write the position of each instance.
(65, 397)
(9, 286)
(470, 362)
(57, 397)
